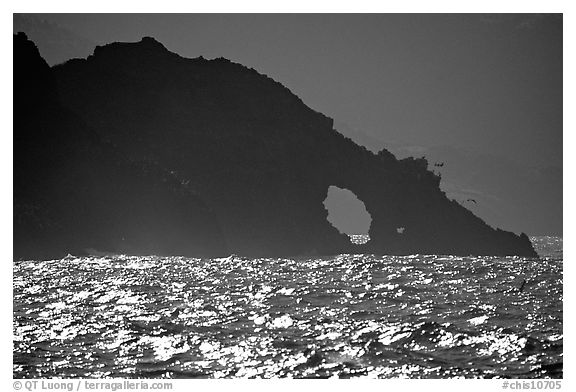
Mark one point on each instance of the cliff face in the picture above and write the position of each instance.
(261, 159)
(73, 192)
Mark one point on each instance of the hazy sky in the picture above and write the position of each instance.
(490, 82)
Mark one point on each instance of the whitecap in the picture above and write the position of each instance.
(478, 320)
(284, 321)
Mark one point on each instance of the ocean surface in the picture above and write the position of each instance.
(346, 316)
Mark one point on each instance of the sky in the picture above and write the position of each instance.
(491, 82)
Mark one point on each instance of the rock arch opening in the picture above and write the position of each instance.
(348, 214)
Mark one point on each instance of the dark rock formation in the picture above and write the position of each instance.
(261, 159)
(72, 191)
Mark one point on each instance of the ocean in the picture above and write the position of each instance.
(419, 316)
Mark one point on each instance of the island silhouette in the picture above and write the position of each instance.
(138, 150)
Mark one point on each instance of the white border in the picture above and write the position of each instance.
(297, 6)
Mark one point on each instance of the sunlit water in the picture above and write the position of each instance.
(344, 316)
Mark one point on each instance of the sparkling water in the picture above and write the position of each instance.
(345, 316)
